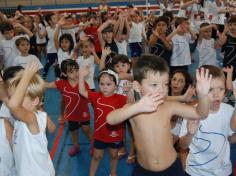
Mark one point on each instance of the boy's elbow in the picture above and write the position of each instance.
(110, 121)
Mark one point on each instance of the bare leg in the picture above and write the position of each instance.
(97, 157)
(113, 160)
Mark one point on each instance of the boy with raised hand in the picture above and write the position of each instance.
(207, 140)
(150, 116)
(29, 138)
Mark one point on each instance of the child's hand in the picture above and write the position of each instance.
(31, 68)
(84, 71)
(127, 86)
(203, 81)
(228, 69)
(156, 33)
(192, 126)
(188, 95)
(106, 51)
(150, 102)
(62, 21)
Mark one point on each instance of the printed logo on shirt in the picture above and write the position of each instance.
(114, 134)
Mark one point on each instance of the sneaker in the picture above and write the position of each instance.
(74, 151)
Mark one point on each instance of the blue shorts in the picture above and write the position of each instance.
(174, 170)
(103, 145)
(135, 49)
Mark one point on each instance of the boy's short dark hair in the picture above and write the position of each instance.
(214, 71)
(180, 20)
(10, 72)
(149, 63)
(163, 19)
(232, 19)
(169, 15)
(204, 25)
(48, 17)
(68, 65)
(108, 29)
(6, 26)
(21, 39)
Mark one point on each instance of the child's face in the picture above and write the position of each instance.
(108, 36)
(65, 44)
(122, 67)
(154, 83)
(54, 19)
(30, 103)
(232, 27)
(24, 47)
(216, 93)
(72, 74)
(8, 35)
(136, 18)
(177, 83)
(161, 27)
(86, 49)
(28, 23)
(107, 85)
(36, 19)
(206, 34)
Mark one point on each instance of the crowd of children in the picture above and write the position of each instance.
(164, 77)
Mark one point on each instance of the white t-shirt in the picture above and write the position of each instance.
(62, 55)
(24, 60)
(51, 46)
(39, 40)
(207, 52)
(122, 47)
(9, 51)
(30, 150)
(121, 86)
(181, 51)
(7, 164)
(6, 113)
(211, 9)
(88, 62)
(135, 34)
(209, 153)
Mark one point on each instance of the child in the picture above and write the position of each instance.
(180, 39)
(154, 142)
(207, 139)
(136, 35)
(76, 107)
(228, 41)
(8, 50)
(40, 32)
(206, 46)
(7, 165)
(89, 58)
(158, 43)
(24, 58)
(29, 139)
(51, 19)
(106, 136)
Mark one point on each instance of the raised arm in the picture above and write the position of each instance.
(202, 109)
(229, 75)
(15, 103)
(148, 103)
(83, 72)
(105, 52)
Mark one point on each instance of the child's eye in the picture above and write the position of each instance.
(210, 90)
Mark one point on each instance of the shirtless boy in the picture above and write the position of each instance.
(150, 116)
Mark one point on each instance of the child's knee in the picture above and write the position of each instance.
(97, 157)
(114, 156)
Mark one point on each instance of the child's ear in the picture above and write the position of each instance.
(136, 86)
(36, 101)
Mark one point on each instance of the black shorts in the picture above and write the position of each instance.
(174, 170)
(103, 145)
(73, 125)
(135, 49)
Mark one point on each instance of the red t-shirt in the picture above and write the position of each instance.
(76, 106)
(102, 107)
(93, 32)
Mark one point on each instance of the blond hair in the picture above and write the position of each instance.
(36, 87)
